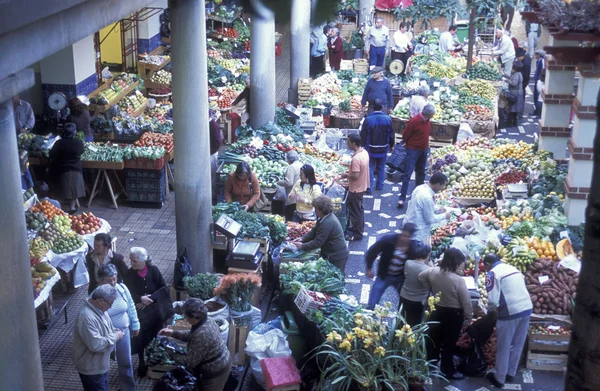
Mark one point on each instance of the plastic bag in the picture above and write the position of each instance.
(473, 363)
(321, 145)
(270, 344)
(183, 268)
(333, 137)
(336, 191)
(464, 132)
(280, 194)
(263, 328)
(460, 244)
(176, 380)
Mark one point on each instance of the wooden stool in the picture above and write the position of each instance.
(281, 374)
(179, 294)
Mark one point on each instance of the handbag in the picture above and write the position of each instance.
(510, 97)
(164, 303)
(183, 268)
(262, 200)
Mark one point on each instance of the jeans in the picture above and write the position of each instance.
(443, 336)
(380, 285)
(94, 382)
(532, 40)
(415, 160)
(507, 14)
(412, 311)
(356, 214)
(511, 338)
(378, 162)
(123, 353)
(376, 56)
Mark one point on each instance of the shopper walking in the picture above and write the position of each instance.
(448, 42)
(539, 103)
(416, 139)
(292, 175)
(515, 89)
(358, 183)
(207, 355)
(318, 49)
(533, 31)
(421, 209)
(508, 296)
(103, 255)
(540, 65)
(377, 40)
(505, 50)
(80, 116)
(452, 311)
(327, 234)
(216, 140)
(65, 167)
(152, 301)
(378, 88)
(414, 294)
(377, 136)
(336, 49)
(393, 251)
(507, 13)
(305, 190)
(124, 317)
(23, 113)
(94, 338)
(418, 101)
(523, 57)
(402, 45)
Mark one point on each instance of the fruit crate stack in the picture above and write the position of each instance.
(548, 345)
(147, 186)
(303, 90)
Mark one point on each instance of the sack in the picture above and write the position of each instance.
(473, 363)
(273, 343)
(176, 380)
(183, 268)
(280, 195)
(396, 160)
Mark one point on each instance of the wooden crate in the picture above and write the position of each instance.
(150, 85)
(103, 165)
(304, 86)
(542, 343)
(361, 66)
(346, 29)
(158, 371)
(237, 343)
(547, 362)
(346, 65)
(96, 108)
(147, 70)
(179, 294)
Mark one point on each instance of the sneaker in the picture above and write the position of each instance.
(353, 238)
(369, 191)
(456, 376)
(400, 204)
(509, 378)
(492, 378)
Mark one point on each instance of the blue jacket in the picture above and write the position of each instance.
(377, 134)
(319, 46)
(539, 65)
(381, 90)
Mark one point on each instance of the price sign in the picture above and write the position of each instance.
(463, 170)
(543, 279)
(553, 328)
(223, 79)
(355, 80)
(564, 235)
(516, 250)
(92, 148)
(225, 39)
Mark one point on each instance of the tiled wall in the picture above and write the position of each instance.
(148, 45)
(84, 87)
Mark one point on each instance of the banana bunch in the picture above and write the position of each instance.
(439, 71)
(519, 254)
(479, 88)
(38, 248)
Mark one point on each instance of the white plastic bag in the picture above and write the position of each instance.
(464, 132)
(271, 344)
(321, 145)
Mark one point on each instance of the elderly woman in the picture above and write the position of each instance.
(303, 192)
(103, 255)
(451, 312)
(327, 234)
(65, 166)
(292, 175)
(242, 186)
(336, 48)
(418, 101)
(207, 355)
(414, 294)
(124, 317)
(515, 89)
(151, 297)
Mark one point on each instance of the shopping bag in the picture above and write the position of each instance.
(183, 268)
(396, 160)
(178, 379)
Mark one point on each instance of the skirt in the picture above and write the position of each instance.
(71, 185)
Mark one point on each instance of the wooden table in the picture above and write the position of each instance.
(103, 176)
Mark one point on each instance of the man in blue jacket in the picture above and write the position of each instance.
(508, 296)
(377, 137)
(393, 251)
(378, 87)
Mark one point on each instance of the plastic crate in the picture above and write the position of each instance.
(144, 174)
(306, 303)
(126, 138)
(146, 195)
(145, 184)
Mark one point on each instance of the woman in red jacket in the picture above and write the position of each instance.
(336, 48)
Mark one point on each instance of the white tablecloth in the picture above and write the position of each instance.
(68, 261)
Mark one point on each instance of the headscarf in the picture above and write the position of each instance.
(69, 130)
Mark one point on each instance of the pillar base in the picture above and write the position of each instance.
(575, 210)
(556, 145)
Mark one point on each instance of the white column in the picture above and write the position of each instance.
(365, 7)
(300, 44)
(190, 113)
(21, 367)
(262, 64)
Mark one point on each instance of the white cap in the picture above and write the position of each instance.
(84, 99)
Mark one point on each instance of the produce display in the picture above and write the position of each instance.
(40, 273)
(156, 139)
(85, 223)
(150, 153)
(35, 220)
(161, 77)
(552, 288)
(102, 152)
(48, 209)
(66, 244)
(118, 84)
(297, 230)
(132, 102)
(28, 195)
(201, 285)
(319, 276)
(38, 248)
(484, 70)
(153, 59)
(546, 329)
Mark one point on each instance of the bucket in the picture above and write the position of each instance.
(294, 337)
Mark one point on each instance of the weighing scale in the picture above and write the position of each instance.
(57, 101)
(396, 68)
(245, 255)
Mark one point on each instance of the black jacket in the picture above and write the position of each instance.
(65, 156)
(386, 245)
(377, 134)
(526, 70)
(117, 260)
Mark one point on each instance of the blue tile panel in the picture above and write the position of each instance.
(84, 87)
(88, 85)
(148, 45)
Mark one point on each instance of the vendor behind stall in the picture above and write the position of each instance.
(65, 166)
(80, 116)
(242, 186)
(304, 192)
(292, 175)
(327, 234)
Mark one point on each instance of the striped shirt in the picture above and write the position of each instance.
(122, 313)
(396, 267)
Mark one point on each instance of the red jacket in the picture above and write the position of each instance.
(416, 133)
(336, 52)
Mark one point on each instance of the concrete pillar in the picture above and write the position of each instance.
(192, 143)
(149, 30)
(581, 146)
(71, 71)
(21, 367)
(262, 63)
(364, 10)
(300, 44)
